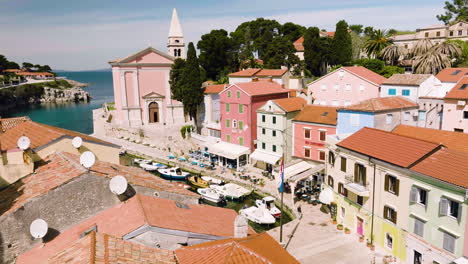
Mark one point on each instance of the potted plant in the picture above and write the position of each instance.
(334, 220)
(372, 247)
(339, 227)
(347, 231)
(369, 243)
(361, 239)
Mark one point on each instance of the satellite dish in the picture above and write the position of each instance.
(38, 228)
(77, 141)
(118, 184)
(24, 143)
(87, 159)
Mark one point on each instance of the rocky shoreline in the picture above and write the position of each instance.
(59, 95)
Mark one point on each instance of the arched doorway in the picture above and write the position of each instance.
(153, 110)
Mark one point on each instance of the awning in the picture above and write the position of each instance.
(228, 150)
(461, 260)
(326, 196)
(264, 156)
(357, 189)
(307, 173)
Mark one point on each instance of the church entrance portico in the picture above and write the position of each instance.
(153, 110)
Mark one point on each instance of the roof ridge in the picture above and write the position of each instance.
(392, 133)
(63, 156)
(140, 205)
(251, 252)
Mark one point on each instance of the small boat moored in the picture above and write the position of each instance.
(259, 215)
(212, 180)
(173, 173)
(148, 167)
(159, 165)
(269, 203)
(231, 190)
(211, 195)
(198, 182)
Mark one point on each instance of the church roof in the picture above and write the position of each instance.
(176, 29)
(141, 53)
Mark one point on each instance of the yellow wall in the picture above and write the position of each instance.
(382, 227)
(14, 166)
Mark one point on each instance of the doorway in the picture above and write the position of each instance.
(417, 258)
(360, 226)
(153, 110)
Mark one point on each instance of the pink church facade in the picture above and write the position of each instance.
(345, 86)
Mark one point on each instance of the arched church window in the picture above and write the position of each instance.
(177, 41)
(178, 52)
(175, 52)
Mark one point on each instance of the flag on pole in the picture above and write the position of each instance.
(281, 187)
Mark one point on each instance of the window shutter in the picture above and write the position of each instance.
(443, 206)
(397, 187)
(394, 216)
(385, 212)
(364, 175)
(460, 206)
(414, 195)
(386, 182)
(356, 170)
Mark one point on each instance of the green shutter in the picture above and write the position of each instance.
(386, 182)
(241, 141)
(364, 175)
(241, 125)
(228, 138)
(241, 108)
(228, 107)
(356, 171)
(228, 122)
(397, 187)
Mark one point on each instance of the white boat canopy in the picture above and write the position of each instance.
(264, 156)
(228, 150)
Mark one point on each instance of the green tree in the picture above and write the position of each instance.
(280, 52)
(27, 65)
(358, 29)
(388, 71)
(190, 84)
(3, 62)
(376, 43)
(341, 45)
(292, 31)
(312, 51)
(12, 65)
(374, 65)
(462, 61)
(174, 79)
(45, 68)
(369, 31)
(456, 11)
(357, 43)
(392, 32)
(393, 53)
(217, 53)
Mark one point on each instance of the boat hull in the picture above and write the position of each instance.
(172, 177)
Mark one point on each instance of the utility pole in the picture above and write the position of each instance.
(284, 146)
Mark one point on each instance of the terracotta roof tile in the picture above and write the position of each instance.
(261, 87)
(459, 91)
(446, 165)
(255, 249)
(407, 79)
(245, 73)
(399, 150)
(214, 88)
(39, 134)
(271, 72)
(367, 74)
(291, 104)
(60, 168)
(9, 123)
(317, 114)
(381, 104)
(452, 140)
(299, 44)
(34, 73)
(138, 211)
(452, 74)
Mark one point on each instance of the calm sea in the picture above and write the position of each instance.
(73, 116)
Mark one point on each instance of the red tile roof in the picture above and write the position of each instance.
(214, 88)
(299, 44)
(34, 73)
(452, 74)
(291, 104)
(446, 165)
(261, 87)
(99, 248)
(317, 114)
(9, 123)
(382, 104)
(452, 140)
(245, 73)
(459, 91)
(271, 72)
(399, 150)
(62, 167)
(367, 74)
(39, 134)
(256, 249)
(407, 79)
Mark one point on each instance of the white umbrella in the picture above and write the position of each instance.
(326, 196)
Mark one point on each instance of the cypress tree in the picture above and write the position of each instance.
(341, 46)
(312, 50)
(174, 79)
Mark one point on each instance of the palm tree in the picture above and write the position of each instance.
(393, 53)
(421, 47)
(452, 50)
(377, 42)
(431, 62)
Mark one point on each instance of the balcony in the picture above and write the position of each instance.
(357, 187)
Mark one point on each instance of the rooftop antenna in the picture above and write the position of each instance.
(77, 142)
(119, 186)
(24, 143)
(87, 159)
(38, 228)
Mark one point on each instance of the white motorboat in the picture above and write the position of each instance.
(140, 161)
(173, 173)
(210, 195)
(148, 167)
(212, 180)
(231, 190)
(269, 203)
(259, 215)
(159, 165)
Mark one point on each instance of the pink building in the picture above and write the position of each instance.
(345, 86)
(310, 129)
(239, 103)
(455, 116)
(142, 92)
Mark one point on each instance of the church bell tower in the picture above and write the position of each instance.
(175, 41)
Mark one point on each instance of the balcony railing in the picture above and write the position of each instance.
(358, 187)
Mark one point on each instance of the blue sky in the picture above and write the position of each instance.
(86, 34)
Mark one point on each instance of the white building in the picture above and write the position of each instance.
(280, 76)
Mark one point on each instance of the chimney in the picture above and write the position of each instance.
(255, 79)
(270, 78)
(240, 227)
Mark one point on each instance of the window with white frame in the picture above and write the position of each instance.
(449, 207)
(321, 155)
(234, 123)
(418, 227)
(354, 119)
(361, 88)
(348, 87)
(337, 87)
(389, 241)
(323, 87)
(449, 242)
(322, 135)
(407, 116)
(392, 184)
(307, 133)
(343, 212)
(307, 152)
(389, 119)
(418, 195)
(347, 103)
(390, 214)
(335, 102)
